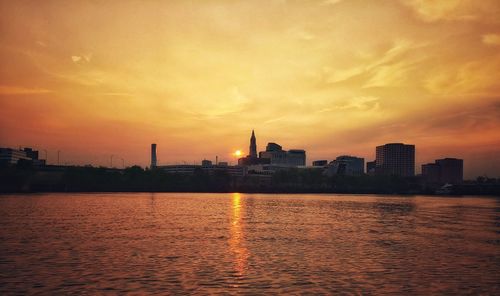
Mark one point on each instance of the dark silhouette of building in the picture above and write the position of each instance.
(395, 159)
(346, 165)
(320, 163)
(251, 158)
(206, 163)
(431, 173)
(370, 167)
(153, 156)
(253, 146)
(446, 170)
(278, 156)
(9, 156)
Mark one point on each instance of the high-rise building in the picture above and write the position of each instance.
(395, 159)
(446, 170)
(253, 146)
(153, 156)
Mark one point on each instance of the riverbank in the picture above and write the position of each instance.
(136, 179)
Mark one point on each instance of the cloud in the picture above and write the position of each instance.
(330, 2)
(455, 10)
(491, 39)
(81, 58)
(15, 90)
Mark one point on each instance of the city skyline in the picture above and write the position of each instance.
(331, 77)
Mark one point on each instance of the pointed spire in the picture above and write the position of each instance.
(253, 146)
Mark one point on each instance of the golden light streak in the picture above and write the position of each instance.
(237, 239)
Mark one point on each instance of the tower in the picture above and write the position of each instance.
(253, 146)
(153, 155)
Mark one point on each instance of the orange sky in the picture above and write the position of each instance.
(95, 78)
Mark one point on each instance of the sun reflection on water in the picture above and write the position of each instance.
(237, 239)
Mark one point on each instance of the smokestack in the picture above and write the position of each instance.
(153, 155)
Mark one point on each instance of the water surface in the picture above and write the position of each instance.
(172, 243)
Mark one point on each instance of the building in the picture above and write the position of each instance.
(442, 171)
(235, 171)
(346, 165)
(206, 163)
(320, 163)
(370, 167)
(154, 161)
(278, 156)
(9, 156)
(253, 146)
(431, 173)
(452, 170)
(395, 159)
(274, 155)
(251, 158)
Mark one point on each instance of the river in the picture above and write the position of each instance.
(200, 243)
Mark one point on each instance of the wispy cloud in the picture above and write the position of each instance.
(16, 90)
(81, 58)
(491, 39)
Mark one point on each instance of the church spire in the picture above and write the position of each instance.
(253, 146)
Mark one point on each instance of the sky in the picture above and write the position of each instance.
(99, 78)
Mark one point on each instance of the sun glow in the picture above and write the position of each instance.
(238, 153)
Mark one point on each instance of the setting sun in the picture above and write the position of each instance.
(238, 153)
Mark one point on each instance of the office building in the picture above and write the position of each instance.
(442, 171)
(9, 156)
(277, 156)
(346, 165)
(395, 159)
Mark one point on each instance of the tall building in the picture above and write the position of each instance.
(446, 170)
(395, 159)
(153, 156)
(347, 165)
(253, 146)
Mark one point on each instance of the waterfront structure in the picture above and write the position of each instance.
(278, 156)
(320, 163)
(346, 165)
(154, 161)
(370, 167)
(9, 156)
(446, 170)
(431, 173)
(206, 163)
(395, 159)
(235, 171)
